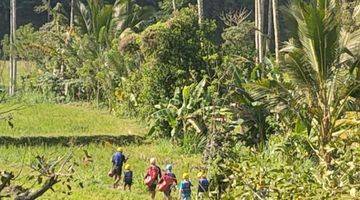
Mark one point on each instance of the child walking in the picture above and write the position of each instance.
(185, 187)
(203, 186)
(128, 177)
(167, 181)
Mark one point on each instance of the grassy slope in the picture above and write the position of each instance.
(67, 120)
(97, 183)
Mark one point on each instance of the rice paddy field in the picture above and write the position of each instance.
(51, 120)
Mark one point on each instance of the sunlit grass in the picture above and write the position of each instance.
(97, 183)
(67, 120)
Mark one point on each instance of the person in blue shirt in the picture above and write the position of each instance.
(203, 186)
(128, 177)
(185, 188)
(118, 159)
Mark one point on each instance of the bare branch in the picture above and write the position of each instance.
(235, 17)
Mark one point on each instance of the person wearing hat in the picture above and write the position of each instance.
(203, 188)
(185, 187)
(167, 182)
(118, 159)
(128, 177)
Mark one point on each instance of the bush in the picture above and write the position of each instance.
(173, 55)
(288, 169)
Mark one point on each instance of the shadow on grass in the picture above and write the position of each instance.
(70, 140)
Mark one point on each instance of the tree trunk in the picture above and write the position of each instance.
(12, 57)
(256, 31)
(201, 10)
(72, 14)
(48, 10)
(261, 30)
(174, 5)
(276, 29)
(269, 28)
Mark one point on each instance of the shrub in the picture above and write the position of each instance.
(288, 169)
(173, 55)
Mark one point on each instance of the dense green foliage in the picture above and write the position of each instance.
(173, 54)
(267, 130)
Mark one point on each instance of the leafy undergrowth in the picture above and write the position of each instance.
(97, 185)
(48, 119)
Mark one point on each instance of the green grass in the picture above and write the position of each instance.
(23, 67)
(67, 120)
(97, 185)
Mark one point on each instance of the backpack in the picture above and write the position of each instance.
(128, 176)
(152, 173)
(167, 181)
(186, 187)
(203, 185)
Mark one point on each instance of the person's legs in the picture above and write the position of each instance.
(116, 181)
(200, 195)
(153, 194)
(152, 190)
(167, 195)
(117, 176)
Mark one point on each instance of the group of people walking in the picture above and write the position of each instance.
(157, 180)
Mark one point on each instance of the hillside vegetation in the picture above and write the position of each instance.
(191, 83)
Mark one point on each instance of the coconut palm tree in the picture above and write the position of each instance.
(12, 61)
(276, 27)
(105, 21)
(200, 10)
(72, 6)
(319, 67)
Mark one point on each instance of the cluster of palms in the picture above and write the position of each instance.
(320, 68)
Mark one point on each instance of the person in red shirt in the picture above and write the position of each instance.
(167, 182)
(152, 177)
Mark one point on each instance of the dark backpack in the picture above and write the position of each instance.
(204, 185)
(128, 176)
(186, 187)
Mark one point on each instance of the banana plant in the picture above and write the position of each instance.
(189, 109)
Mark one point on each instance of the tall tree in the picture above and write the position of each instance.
(174, 5)
(261, 16)
(276, 28)
(12, 57)
(72, 13)
(256, 29)
(269, 27)
(259, 34)
(320, 63)
(200, 10)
